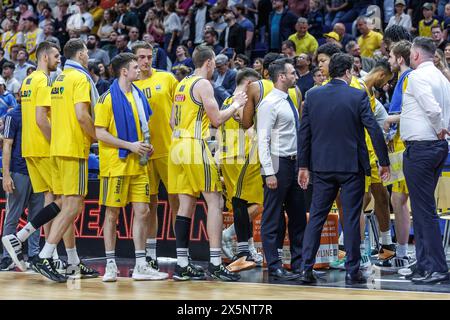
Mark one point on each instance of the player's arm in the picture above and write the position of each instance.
(249, 109)
(43, 123)
(82, 111)
(217, 117)
(138, 147)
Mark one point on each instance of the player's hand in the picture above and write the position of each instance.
(152, 150)
(272, 182)
(240, 98)
(386, 125)
(441, 135)
(237, 116)
(390, 146)
(385, 173)
(8, 184)
(303, 178)
(140, 148)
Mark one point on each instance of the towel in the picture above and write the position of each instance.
(72, 64)
(123, 115)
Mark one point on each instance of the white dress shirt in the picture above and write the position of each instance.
(277, 135)
(426, 104)
(404, 21)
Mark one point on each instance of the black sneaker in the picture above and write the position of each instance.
(81, 271)
(45, 267)
(7, 264)
(153, 263)
(187, 273)
(221, 273)
(197, 267)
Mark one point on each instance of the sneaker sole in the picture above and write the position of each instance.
(149, 278)
(224, 278)
(109, 280)
(237, 268)
(12, 253)
(177, 278)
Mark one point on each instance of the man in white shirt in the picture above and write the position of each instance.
(82, 22)
(424, 124)
(277, 127)
(20, 72)
(400, 18)
(12, 85)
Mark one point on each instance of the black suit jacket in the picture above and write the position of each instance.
(331, 137)
(192, 23)
(236, 38)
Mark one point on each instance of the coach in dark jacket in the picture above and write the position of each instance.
(332, 146)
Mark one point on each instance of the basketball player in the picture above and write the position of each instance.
(159, 88)
(36, 132)
(119, 114)
(241, 172)
(192, 169)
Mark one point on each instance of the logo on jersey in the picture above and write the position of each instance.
(26, 93)
(180, 98)
(182, 88)
(56, 90)
(158, 87)
(29, 81)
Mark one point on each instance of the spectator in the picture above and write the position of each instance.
(24, 13)
(305, 77)
(224, 76)
(315, 19)
(428, 21)
(333, 37)
(20, 71)
(415, 12)
(9, 15)
(96, 55)
(2, 57)
(369, 41)
(14, 52)
(7, 100)
(159, 55)
(140, 8)
(182, 59)
(245, 23)
(441, 63)
(30, 70)
(182, 72)
(288, 49)
(447, 53)
(172, 29)
(154, 26)
(357, 70)
(335, 11)
(282, 23)
(33, 37)
(199, 19)
(159, 8)
(49, 32)
(217, 21)
(111, 45)
(299, 7)
(12, 85)
(357, 8)
(61, 22)
(318, 77)
(96, 12)
(400, 18)
(211, 40)
(353, 49)
(234, 35)
(446, 22)
(344, 37)
(106, 26)
(258, 65)
(81, 22)
(441, 7)
(304, 42)
(102, 85)
(126, 18)
(438, 37)
(395, 33)
(242, 61)
(121, 45)
(11, 37)
(133, 35)
(47, 17)
(103, 72)
(183, 7)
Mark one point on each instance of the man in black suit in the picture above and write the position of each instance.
(332, 146)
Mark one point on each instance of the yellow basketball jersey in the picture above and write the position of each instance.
(35, 92)
(159, 90)
(68, 138)
(190, 116)
(30, 42)
(11, 40)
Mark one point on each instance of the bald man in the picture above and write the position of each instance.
(344, 37)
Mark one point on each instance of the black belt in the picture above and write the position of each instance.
(292, 158)
(422, 142)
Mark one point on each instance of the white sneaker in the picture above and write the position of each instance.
(111, 273)
(14, 247)
(60, 266)
(227, 246)
(365, 261)
(257, 257)
(145, 272)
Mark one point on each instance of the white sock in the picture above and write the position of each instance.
(72, 256)
(140, 257)
(182, 257)
(110, 256)
(251, 243)
(55, 254)
(341, 239)
(150, 248)
(229, 232)
(215, 256)
(47, 250)
(25, 232)
(401, 250)
(386, 238)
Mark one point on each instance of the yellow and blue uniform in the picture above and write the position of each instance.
(159, 89)
(121, 180)
(11, 40)
(35, 91)
(425, 27)
(70, 144)
(239, 162)
(31, 39)
(191, 166)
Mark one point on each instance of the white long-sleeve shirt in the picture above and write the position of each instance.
(277, 135)
(426, 104)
